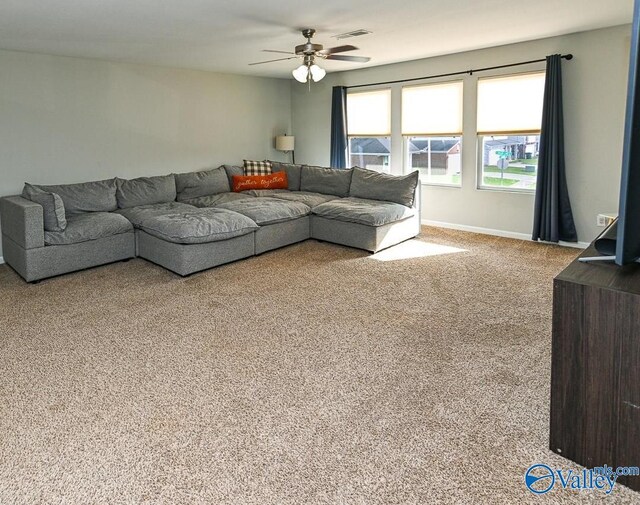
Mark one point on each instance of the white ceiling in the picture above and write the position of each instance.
(227, 35)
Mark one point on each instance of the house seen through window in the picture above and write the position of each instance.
(373, 153)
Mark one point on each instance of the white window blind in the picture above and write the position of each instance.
(369, 113)
(435, 109)
(510, 104)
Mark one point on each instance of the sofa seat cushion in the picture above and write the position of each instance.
(359, 210)
(215, 200)
(89, 226)
(268, 210)
(138, 214)
(308, 198)
(264, 192)
(198, 226)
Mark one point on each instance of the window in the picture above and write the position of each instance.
(509, 118)
(509, 161)
(432, 127)
(369, 129)
(437, 159)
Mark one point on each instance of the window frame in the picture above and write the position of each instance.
(481, 135)
(424, 182)
(480, 163)
(388, 135)
(406, 168)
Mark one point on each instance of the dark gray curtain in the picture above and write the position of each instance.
(339, 127)
(553, 219)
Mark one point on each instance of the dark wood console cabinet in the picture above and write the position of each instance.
(595, 365)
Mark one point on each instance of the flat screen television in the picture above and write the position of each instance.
(620, 242)
(628, 224)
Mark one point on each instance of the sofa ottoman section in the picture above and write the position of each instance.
(362, 236)
(368, 212)
(274, 236)
(198, 226)
(365, 224)
(138, 214)
(186, 259)
(189, 241)
(281, 222)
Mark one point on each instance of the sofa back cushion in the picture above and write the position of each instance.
(293, 173)
(146, 191)
(95, 196)
(377, 186)
(52, 206)
(204, 183)
(231, 171)
(329, 181)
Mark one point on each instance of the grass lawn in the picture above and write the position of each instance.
(441, 179)
(511, 170)
(496, 181)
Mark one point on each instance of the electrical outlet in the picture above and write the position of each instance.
(604, 220)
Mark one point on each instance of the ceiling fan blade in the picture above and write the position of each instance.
(271, 61)
(276, 51)
(337, 49)
(357, 59)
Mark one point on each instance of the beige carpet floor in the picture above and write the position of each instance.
(314, 374)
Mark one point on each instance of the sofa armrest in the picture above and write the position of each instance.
(22, 221)
(417, 198)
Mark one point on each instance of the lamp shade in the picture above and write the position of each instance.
(285, 142)
(301, 74)
(317, 73)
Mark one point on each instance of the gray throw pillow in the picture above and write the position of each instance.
(204, 183)
(293, 173)
(329, 181)
(94, 196)
(146, 191)
(52, 207)
(231, 171)
(377, 186)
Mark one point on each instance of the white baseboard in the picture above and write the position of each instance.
(1, 260)
(497, 233)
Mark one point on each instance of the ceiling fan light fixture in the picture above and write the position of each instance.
(301, 74)
(317, 73)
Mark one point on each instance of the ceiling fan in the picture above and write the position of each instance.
(309, 70)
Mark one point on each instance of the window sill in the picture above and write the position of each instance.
(530, 192)
(440, 185)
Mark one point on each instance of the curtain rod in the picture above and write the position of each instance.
(451, 74)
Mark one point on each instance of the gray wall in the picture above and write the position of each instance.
(594, 99)
(71, 120)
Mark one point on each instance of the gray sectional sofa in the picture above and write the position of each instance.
(191, 222)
